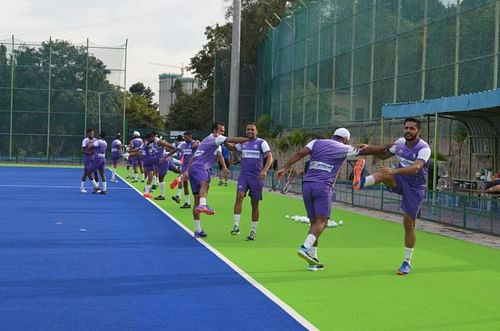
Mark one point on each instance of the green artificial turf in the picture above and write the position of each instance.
(454, 285)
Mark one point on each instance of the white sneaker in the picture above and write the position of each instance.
(82, 190)
(114, 180)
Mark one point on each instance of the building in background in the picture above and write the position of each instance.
(167, 94)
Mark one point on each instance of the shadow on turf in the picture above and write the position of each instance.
(336, 273)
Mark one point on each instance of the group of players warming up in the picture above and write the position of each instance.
(154, 157)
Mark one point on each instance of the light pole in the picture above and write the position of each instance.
(99, 109)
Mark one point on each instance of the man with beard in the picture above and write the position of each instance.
(407, 180)
(252, 175)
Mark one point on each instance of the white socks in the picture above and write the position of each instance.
(314, 252)
(369, 181)
(186, 199)
(162, 189)
(82, 185)
(254, 226)
(237, 220)
(179, 192)
(310, 239)
(147, 188)
(104, 186)
(203, 201)
(408, 254)
(114, 173)
(197, 225)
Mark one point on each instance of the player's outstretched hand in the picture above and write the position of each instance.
(280, 173)
(385, 170)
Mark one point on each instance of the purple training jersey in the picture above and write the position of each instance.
(149, 155)
(327, 157)
(204, 155)
(116, 149)
(407, 157)
(252, 156)
(411, 187)
(99, 161)
(187, 151)
(87, 145)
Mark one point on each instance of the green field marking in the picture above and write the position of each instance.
(454, 284)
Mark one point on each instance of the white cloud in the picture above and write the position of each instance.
(161, 31)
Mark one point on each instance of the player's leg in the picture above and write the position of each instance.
(411, 202)
(255, 188)
(195, 188)
(203, 205)
(82, 182)
(149, 179)
(314, 254)
(135, 165)
(185, 186)
(238, 206)
(162, 171)
(143, 171)
(361, 179)
(226, 175)
(309, 203)
(255, 219)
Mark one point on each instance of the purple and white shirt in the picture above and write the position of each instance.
(86, 144)
(136, 143)
(207, 149)
(149, 152)
(252, 156)
(327, 157)
(116, 148)
(100, 146)
(407, 157)
(187, 150)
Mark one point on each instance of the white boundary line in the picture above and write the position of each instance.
(54, 186)
(305, 323)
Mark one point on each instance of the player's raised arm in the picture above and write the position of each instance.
(235, 140)
(299, 155)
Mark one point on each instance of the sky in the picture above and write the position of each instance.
(167, 32)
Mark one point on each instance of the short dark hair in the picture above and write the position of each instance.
(102, 134)
(150, 135)
(251, 123)
(188, 133)
(413, 119)
(89, 130)
(215, 126)
(179, 138)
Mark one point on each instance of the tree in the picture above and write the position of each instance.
(191, 112)
(141, 112)
(139, 89)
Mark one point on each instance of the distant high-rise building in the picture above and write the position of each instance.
(167, 94)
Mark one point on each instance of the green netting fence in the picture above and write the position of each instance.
(331, 62)
(51, 91)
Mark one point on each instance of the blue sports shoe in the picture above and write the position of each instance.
(200, 234)
(404, 269)
(305, 253)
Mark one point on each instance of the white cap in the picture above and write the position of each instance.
(342, 132)
(137, 134)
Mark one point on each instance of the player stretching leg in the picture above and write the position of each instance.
(326, 159)
(199, 172)
(407, 180)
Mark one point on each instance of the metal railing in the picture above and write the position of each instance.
(476, 213)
